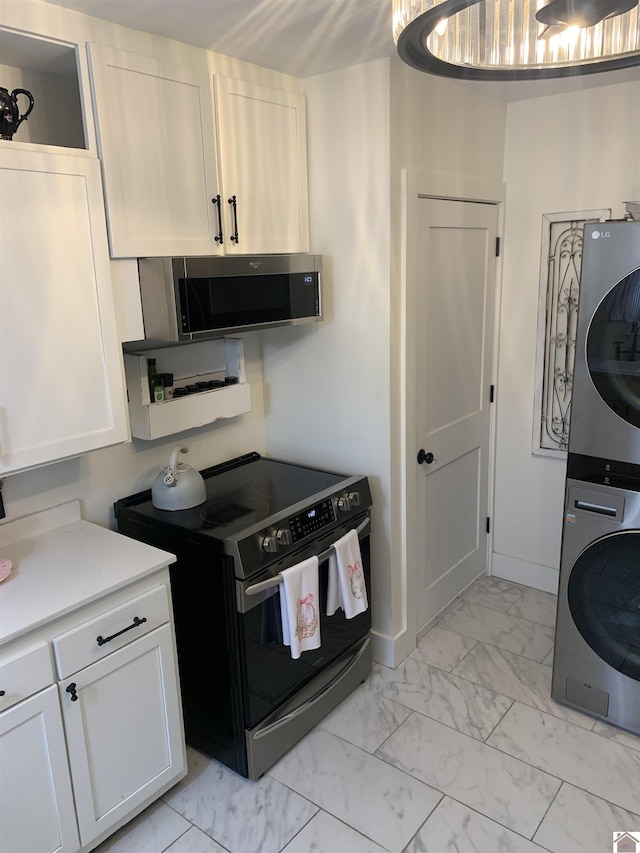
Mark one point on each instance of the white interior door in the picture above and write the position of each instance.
(454, 341)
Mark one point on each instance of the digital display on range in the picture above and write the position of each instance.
(312, 519)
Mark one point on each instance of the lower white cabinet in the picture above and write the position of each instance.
(124, 735)
(36, 802)
(80, 758)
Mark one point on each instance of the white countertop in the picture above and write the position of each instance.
(61, 562)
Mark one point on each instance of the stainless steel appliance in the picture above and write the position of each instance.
(597, 652)
(245, 700)
(596, 665)
(192, 299)
(605, 407)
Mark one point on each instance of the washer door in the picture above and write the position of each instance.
(604, 599)
(613, 348)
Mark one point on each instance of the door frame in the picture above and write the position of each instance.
(416, 184)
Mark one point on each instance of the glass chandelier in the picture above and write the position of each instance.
(517, 39)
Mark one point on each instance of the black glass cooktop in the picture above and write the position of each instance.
(241, 493)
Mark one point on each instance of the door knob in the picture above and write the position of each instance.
(425, 457)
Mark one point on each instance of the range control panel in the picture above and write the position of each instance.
(312, 519)
(308, 522)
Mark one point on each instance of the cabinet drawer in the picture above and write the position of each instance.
(95, 639)
(24, 674)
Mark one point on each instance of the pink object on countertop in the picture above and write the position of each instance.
(5, 569)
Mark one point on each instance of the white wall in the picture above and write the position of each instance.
(445, 127)
(574, 151)
(327, 388)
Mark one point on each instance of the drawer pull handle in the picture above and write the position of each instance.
(102, 640)
(72, 690)
(2, 692)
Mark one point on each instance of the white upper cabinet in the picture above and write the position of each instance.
(263, 163)
(157, 144)
(158, 139)
(61, 377)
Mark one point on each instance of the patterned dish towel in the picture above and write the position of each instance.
(299, 607)
(346, 587)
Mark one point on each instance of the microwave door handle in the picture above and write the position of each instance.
(255, 588)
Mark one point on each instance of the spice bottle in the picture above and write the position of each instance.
(156, 390)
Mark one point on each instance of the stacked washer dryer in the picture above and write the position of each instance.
(597, 653)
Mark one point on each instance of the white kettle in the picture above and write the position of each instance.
(178, 486)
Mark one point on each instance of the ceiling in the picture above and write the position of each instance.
(298, 37)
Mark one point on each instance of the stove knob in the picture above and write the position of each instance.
(354, 497)
(344, 503)
(270, 544)
(283, 536)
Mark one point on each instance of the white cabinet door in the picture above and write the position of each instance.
(124, 731)
(61, 376)
(36, 803)
(157, 144)
(263, 164)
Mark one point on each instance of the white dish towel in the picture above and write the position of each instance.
(346, 587)
(299, 607)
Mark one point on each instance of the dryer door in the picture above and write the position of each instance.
(613, 349)
(604, 599)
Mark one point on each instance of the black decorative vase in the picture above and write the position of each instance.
(10, 118)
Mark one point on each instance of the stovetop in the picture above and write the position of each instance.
(242, 493)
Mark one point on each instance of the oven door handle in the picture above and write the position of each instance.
(255, 588)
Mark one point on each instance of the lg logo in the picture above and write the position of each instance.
(596, 235)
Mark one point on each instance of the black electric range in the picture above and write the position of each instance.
(245, 700)
(252, 501)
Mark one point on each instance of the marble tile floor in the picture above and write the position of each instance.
(460, 749)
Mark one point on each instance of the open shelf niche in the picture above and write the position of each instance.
(221, 359)
(48, 69)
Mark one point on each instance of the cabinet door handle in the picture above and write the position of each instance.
(102, 640)
(233, 202)
(2, 692)
(72, 690)
(217, 201)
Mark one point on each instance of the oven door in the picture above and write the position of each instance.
(283, 697)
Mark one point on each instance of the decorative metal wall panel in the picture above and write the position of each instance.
(561, 261)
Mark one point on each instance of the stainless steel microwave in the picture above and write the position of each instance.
(192, 299)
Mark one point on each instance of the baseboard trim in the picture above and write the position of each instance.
(524, 572)
(391, 651)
